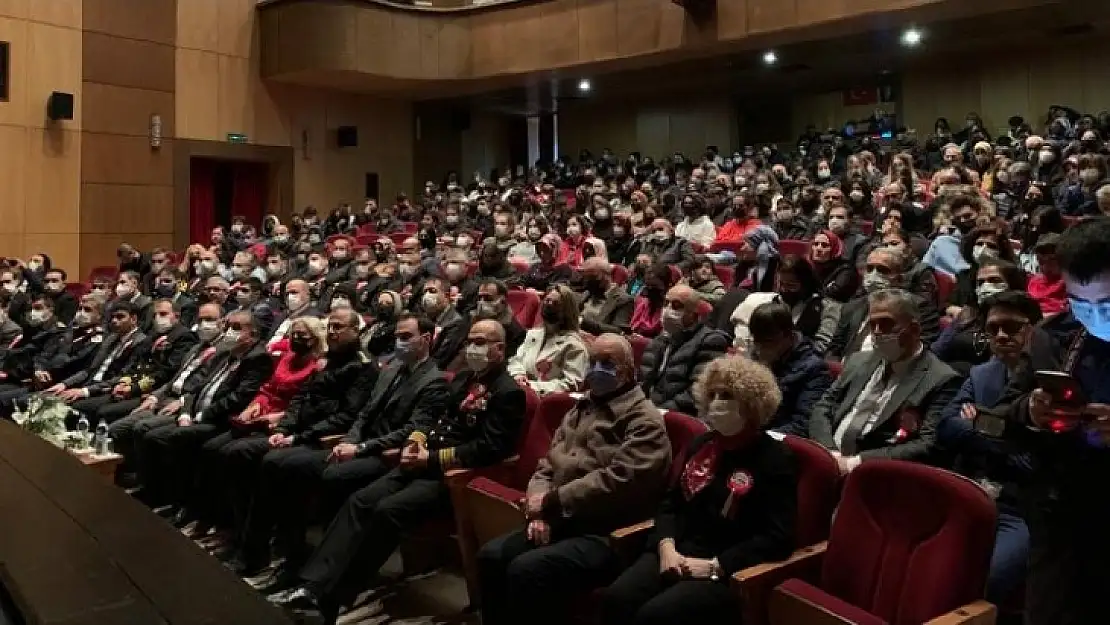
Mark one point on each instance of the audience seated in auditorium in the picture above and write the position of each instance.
(553, 357)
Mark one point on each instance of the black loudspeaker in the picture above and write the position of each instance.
(346, 136)
(60, 106)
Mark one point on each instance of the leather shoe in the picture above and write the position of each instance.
(298, 598)
(182, 518)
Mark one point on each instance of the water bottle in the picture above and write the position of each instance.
(83, 428)
(101, 433)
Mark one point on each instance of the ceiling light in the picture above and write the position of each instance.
(584, 85)
(770, 58)
(911, 37)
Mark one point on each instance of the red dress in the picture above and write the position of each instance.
(286, 380)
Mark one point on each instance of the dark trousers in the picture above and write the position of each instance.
(286, 482)
(226, 474)
(1009, 558)
(1069, 559)
(641, 596)
(169, 456)
(368, 528)
(126, 432)
(523, 583)
(100, 407)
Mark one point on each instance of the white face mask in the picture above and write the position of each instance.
(1046, 157)
(38, 317)
(454, 271)
(82, 319)
(888, 347)
(10, 287)
(672, 321)
(723, 415)
(274, 270)
(206, 267)
(230, 338)
(124, 290)
(477, 357)
(980, 252)
(430, 301)
(837, 224)
(785, 215)
(294, 301)
(162, 324)
(988, 289)
(208, 330)
(573, 231)
(340, 302)
(317, 267)
(856, 195)
(601, 213)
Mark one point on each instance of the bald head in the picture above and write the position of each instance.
(613, 350)
(485, 346)
(682, 307)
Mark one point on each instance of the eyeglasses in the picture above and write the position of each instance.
(1010, 326)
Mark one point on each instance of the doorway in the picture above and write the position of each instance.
(222, 189)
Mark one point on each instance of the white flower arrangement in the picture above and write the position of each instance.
(45, 417)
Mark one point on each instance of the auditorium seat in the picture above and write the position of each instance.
(794, 247)
(410, 226)
(909, 543)
(726, 246)
(725, 274)
(399, 237)
(945, 285)
(525, 306)
(620, 274)
(639, 345)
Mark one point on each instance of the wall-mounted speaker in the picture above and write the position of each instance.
(59, 106)
(346, 136)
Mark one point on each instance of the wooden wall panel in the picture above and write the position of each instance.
(54, 165)
(195, 24)
(145, 20)
(128, 62)
(197, 94)
(51, 51)
(13, 174)
(126, 111)
(67, 13)
(117, 208)
(61, 247)
(15, 110)
(119, 159)
(14, 8)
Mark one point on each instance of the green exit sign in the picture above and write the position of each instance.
(234, 137)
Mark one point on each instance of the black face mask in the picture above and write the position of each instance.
(594, 286)
(166, 290)
(300, 345)
(965, 226)
(550, 314)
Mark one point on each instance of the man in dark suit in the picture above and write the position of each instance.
(124, 346)
(54, 285)
(408, 395)
(479, 427)
(606, 308)
(450, 326)
(885, 270)
(887, 402)
(164, 351)
(230, 380)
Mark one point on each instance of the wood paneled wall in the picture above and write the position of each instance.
(219, 91)
(127, 77)
(655, 128)
(40, 161)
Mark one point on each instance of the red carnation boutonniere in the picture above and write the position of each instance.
(909, 422)
(739, 484)
(160, 343)
(543, 369)
(476, 400)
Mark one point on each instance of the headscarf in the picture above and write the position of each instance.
(836, 246)
(766, 245)
(598, 247)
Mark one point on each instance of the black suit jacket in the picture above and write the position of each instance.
(162, 357)
(481, 424)
(394, 412)
(238, 388)
(69, 352)
(132, 351)
(331, 399)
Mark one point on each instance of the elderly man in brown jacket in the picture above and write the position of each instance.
(606, 468)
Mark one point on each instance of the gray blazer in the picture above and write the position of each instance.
(915, 408)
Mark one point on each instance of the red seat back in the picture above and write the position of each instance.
(548, 414)
(682, 429)
(726, 246)
(725, 274)
(639, 344)
(909, 542)
(945, 285)
(399, 237)
(520, 266)
(704, 308)
(106, 272)
(366, 230)
(366, 239)
(525, 306)
(410, 226)
(867, 227)
(76, 289)
(794, 247)
(620, 274)
(818, 490)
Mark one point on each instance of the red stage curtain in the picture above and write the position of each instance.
(202, 200)
(249, 192)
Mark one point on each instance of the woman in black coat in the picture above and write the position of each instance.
(733, 507)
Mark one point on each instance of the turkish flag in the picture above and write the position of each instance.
(861, 96)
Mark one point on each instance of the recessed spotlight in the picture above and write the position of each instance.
(770, 58)
(911, 37)
(584, 85)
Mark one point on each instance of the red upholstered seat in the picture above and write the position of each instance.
(818, 490)
(410, 226)
(682, 429)
(794, 247)
(525, 306)
(725, 274)
(366, 239)
(639, 344)
(867, 227)
(909, 543)
(76, 289)
(620, 274)
(725, 246)
(366, 230)
(945, 285)
(399, 237)
(104, 272)
(520, 266)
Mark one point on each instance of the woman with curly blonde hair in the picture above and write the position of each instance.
(733, 507)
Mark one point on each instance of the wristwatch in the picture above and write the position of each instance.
(715, 570)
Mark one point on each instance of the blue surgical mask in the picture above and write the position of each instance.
(602, 379)
(1093, 319)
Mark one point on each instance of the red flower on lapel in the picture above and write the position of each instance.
(476, 400)
(909, 422)
(543, 369)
